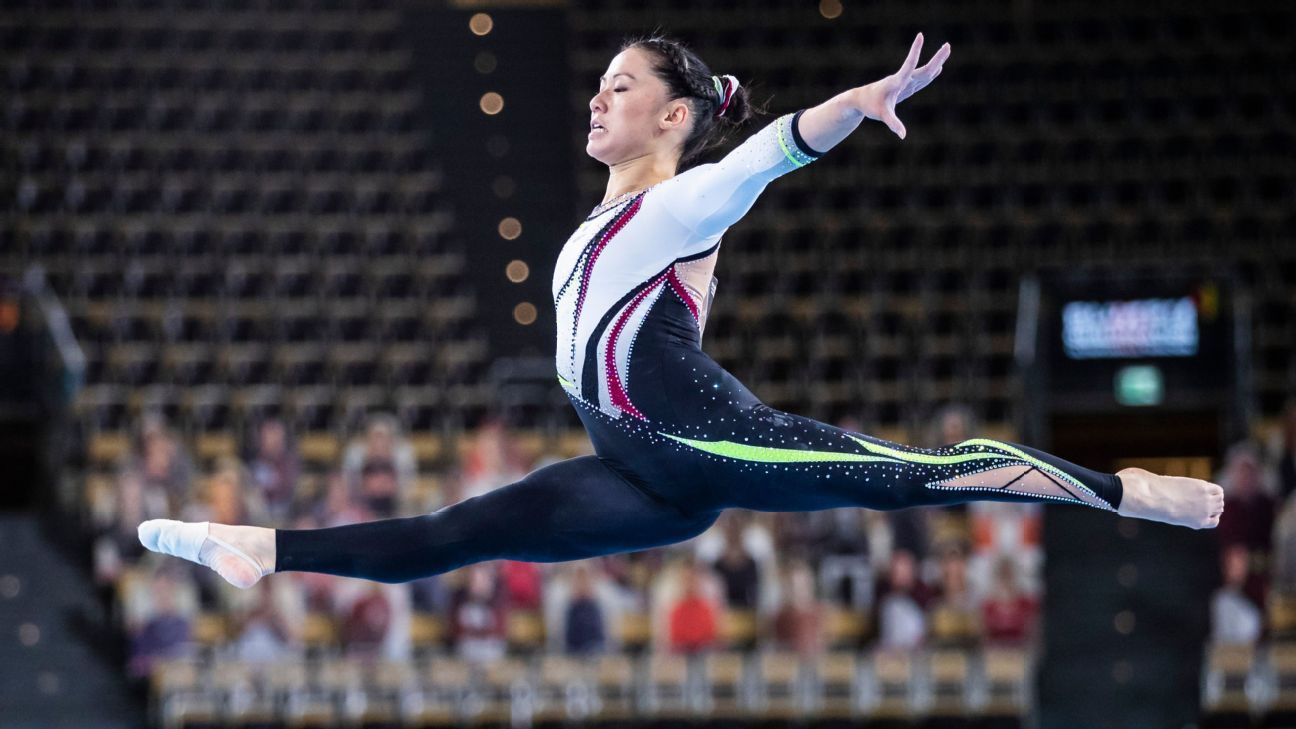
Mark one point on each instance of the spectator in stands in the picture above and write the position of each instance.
(952, 423)
(379, 491)
(794, 534)
(165, 632)
(317, 591)
(801, 621)
(694, 618)
(523, 583)
(909, 531)
(587, 582)
(901, 609)
(478, 616)
(740, 533)
(492, 461)
(999, 529)
(1284, 542)
(841, 531)
(1287, 454)
(225, 498)
(1249, 514)
(264, 625)
(367, 620)
(161, 461)
(116, 541)
(1235, 617)
(955, 614)
(633, 574)
(275, 467)
(430, 595)
(382, 443)
(736, 567)
(338, 507)
(1007, 614)
(841, 549)
(585, 627)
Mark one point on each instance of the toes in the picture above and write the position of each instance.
(148, 534)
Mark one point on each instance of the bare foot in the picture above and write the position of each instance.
(1177, 500)
(241, 555)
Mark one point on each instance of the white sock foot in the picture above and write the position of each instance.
(193, 541)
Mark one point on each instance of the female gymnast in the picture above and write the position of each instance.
(677, 438)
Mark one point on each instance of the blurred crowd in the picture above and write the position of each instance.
(958, 576)
(1256, 535)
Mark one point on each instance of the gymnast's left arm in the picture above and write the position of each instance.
(711, 197)
(824, 126)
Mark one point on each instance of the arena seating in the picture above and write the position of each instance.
(243, 216)
(240, 214)
(651, 690)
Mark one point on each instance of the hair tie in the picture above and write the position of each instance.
(724, 91)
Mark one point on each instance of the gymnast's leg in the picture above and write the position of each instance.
(811, 465)
(570, 510)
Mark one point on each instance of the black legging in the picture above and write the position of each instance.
(569, 510)
(591, 506)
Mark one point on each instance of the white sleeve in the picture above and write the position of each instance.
(709, 198)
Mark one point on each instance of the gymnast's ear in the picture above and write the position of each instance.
(677, 115)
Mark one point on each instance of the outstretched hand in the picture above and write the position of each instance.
(878, 99)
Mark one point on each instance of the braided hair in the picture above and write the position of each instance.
(718, 103)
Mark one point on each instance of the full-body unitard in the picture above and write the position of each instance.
(677, 437)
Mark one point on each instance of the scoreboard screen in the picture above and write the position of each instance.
(1137, 328)
(1112, 341)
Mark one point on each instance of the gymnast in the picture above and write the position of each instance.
(677, 439)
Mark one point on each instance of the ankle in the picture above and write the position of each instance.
(1134, 489)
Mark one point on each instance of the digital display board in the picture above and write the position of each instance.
(1138, 328)
(1114, 340)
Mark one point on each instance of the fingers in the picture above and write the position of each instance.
(920, 77)
(934, 64)
(910, 79)
(893, 123)
(912, 61)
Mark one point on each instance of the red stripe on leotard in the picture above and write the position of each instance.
(615, 389)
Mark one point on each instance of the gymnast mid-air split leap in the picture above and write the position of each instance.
(677, 438)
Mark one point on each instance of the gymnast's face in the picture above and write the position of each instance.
(630, 115)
